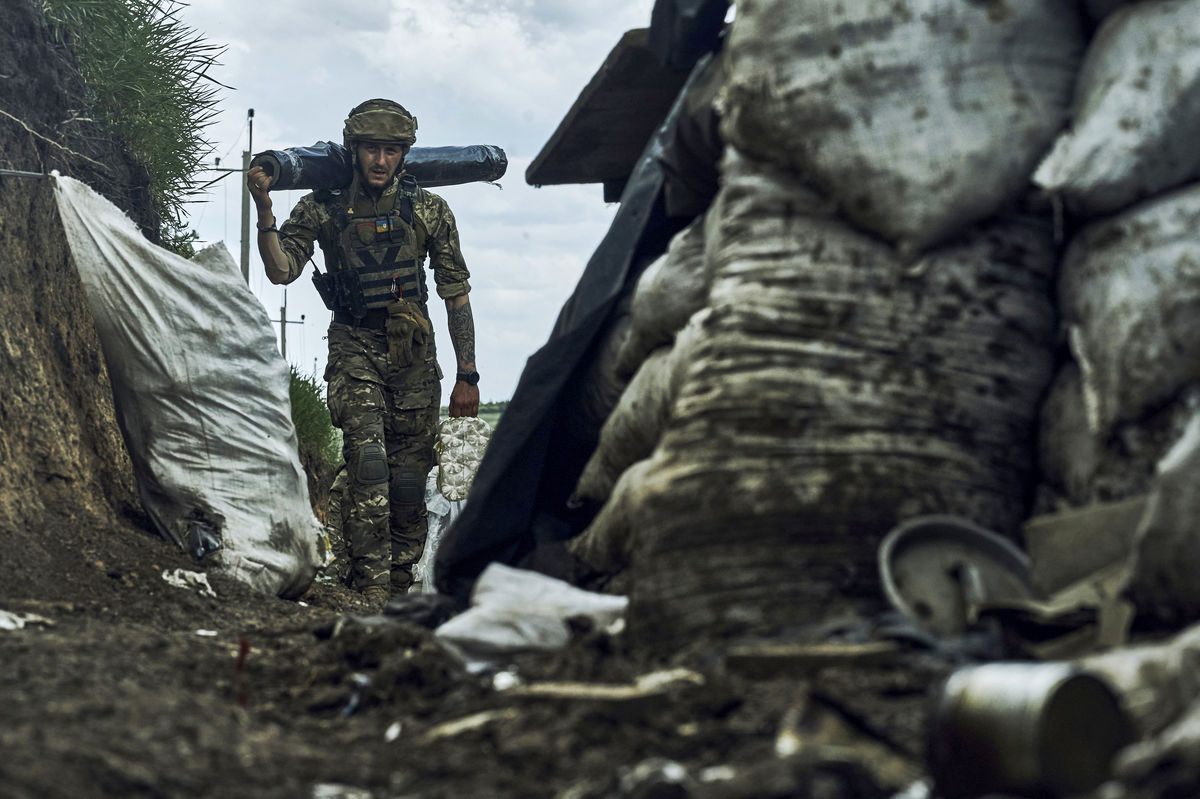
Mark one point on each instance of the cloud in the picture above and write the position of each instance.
(500, 72)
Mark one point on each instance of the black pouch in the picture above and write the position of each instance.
(325, 287)
(341, 291)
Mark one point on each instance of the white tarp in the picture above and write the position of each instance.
(201, 394)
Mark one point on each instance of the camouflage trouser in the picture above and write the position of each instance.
(388, 416)
(335, 520)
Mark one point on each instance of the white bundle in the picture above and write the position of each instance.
(918, 116)
(1137, 111)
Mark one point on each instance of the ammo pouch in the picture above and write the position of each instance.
(409, 333)
(341, 291)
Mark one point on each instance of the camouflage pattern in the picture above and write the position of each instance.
(381, 405)
(335, 520)
(379, 120)
(376, 402)
(315, 222)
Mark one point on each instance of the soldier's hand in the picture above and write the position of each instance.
(259, 185)
(464, 400)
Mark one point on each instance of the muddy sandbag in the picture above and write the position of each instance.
(917, 116)
(837, 391)
(1130, 295)
(635, 425)
(1156, 682)
(1078, 468)
(671, 289)
(1166, 557)
(1137, 110)
(1166, 765)
(201, 395)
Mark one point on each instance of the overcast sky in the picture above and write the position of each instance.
(500, 72)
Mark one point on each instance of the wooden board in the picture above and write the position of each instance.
(604, 132)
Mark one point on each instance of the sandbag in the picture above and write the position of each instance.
(635, 425)
(1137, 110)
(460, 446)
(1130, 295)
(1166, 557)
(1079, 469)
(918, 117)
(837, 391)
(671, 289)
(202, 397)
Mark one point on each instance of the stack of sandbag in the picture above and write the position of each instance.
(878, 326)
(1126, 177)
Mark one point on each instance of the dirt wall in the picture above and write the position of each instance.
(65, 477)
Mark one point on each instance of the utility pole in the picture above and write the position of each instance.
(246, 200)
(283, 323)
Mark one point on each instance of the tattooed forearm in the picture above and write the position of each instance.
(462, 333)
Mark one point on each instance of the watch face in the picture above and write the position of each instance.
(470, 378)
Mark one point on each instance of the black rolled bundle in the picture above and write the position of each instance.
(327, 165)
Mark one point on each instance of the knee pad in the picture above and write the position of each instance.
(408, 488)
(372, 467)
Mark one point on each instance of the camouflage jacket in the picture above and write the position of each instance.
(311, 222)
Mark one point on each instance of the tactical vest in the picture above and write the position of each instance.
(384, 244)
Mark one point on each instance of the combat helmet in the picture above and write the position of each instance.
(379, 120)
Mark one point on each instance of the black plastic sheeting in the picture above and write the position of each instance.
(517, 511)
(327, 165)
(683, 31)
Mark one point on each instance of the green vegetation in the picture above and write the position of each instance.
(320, 441)
(147, 76)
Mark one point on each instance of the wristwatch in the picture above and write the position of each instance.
(471, 378)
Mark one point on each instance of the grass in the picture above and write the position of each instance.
(319, 440)
(147, 76)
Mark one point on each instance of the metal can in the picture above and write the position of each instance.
(1031, 729)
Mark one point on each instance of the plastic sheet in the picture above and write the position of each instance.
(327, 165)
(201, 394)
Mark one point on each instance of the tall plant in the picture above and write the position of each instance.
(148, 76)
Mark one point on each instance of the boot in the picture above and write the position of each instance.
(376, 597)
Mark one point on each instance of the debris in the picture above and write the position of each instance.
(515, 610)
(1066, 547)
(393, 731)
(475, 721)
(332, 790)
(647, 686)
(181, 578)
(1045, 729)
(361, 683)
(656, 778)
(19, 621)
(774, 660)
(939, 570)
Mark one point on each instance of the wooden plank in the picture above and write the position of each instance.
(1066, 547)
(604, 132)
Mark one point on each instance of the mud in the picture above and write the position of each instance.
(134, 688)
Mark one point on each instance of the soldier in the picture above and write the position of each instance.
(383, 375)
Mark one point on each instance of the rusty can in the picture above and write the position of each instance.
(1030, 729)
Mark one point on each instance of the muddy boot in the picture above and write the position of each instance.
(375, 597)
(402, 579)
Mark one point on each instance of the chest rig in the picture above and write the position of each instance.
(382, 243)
